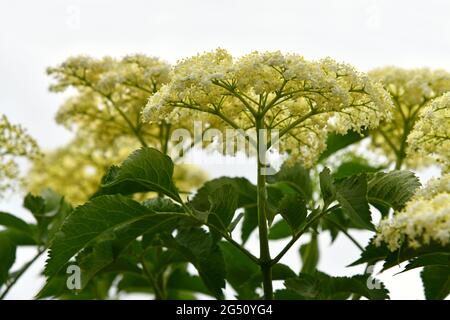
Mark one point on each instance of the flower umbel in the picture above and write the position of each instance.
(302, 99)
(431, 134)
(15, 143)
(411, 91)
(425, 219)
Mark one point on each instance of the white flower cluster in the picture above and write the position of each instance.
(425, 219)
(431, 134)
(303, 99)
(15, 143)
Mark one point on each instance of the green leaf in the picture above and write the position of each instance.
(10, 221)
(295, 176)
(7, 256)
(336, 222)
(432, 259)
(240, 271)
(373, 254)
(244, 189)
(336, 142)
(100, 218)
(280, 272)
(392, 189)
(324, 287)
(49, 209)
(246, 193)
(180, 280)
(35, 204)
(293, 209)
(199, 249)
(280, 230)
(145, 170)
(309, 253)
(304, 286)
(353, 167)
(326, 186)
(436, 282)
(162, 205)
(351, 193)
(249, 223)
(223, 205)
(20, 238)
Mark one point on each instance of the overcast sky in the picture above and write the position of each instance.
(365, 33)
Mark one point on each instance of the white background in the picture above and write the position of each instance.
(365, 33)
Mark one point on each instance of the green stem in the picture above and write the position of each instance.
(345, 232)
(21, 273)
(401, 152)
(158, 293)
(265, 260)
(305, 228)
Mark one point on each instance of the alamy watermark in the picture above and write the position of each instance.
(73, 281)
(372, 283)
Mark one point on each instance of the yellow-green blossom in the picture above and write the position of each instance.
(110, 95)
(76, 169)
(303, 99)
(431, 134)
(15, 143)
(425, 219)
(411, 91)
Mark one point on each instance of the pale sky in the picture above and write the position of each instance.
(365, 33)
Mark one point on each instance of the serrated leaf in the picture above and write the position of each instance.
(240, 271)
(199, 248)
(324, 287)
(145, 170)
(35, 204)
(391, 189)
(436, 282)
(309, 252)
(432, 259)
(351, 193)
(295, 176)
(246, 193)
(101, 216)
(49, 209)
(245, 190)
(373, 254)
(223, 205)
(293, 209)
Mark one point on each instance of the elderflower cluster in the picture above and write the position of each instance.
(424, 220)
(15, 143)
(431, 134)
(110, 94)
(411, 91)
(302, 99)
